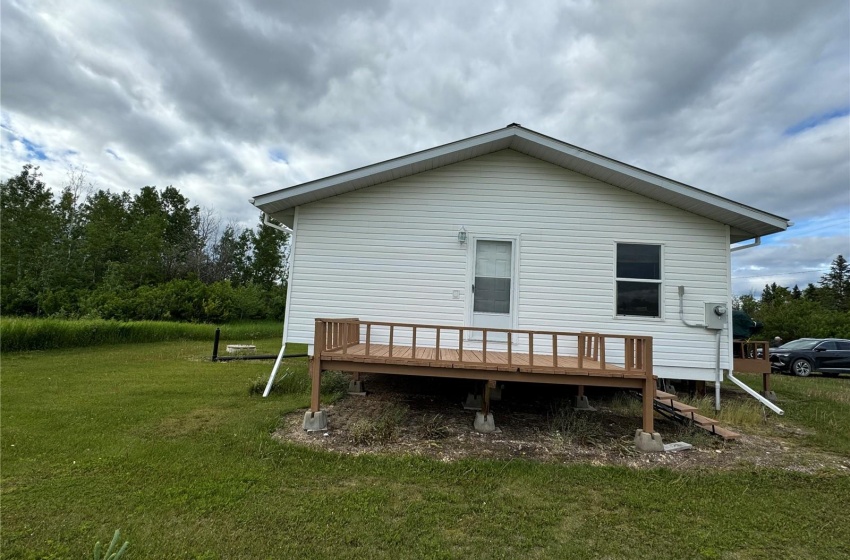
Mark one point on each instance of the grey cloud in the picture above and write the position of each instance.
(196, 93)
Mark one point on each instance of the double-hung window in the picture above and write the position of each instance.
(638, 281)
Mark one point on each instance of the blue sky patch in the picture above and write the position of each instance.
(816, 120)
(34, 151)
(276, 154)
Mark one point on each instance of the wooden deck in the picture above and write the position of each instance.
(475, 359)
(443, 351)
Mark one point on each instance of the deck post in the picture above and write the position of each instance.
(581, 400)
(485, 406)
(580, 354)
(648, 390)
(484, 421)
(315, 420)
(647, 439)
(316, 365)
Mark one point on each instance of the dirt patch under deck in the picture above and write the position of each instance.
(527, 418)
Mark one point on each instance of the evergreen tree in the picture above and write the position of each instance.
(835, 285)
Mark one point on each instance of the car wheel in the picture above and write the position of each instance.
(801, 367)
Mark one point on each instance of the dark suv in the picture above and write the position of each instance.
(830, 356)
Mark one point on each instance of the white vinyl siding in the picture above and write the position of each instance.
(390, 252)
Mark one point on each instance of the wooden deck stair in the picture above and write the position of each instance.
(666, 404)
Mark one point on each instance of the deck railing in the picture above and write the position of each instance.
(633, 353)
(751, 356)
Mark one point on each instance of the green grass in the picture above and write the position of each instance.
(156, 440)
(819, 405)
(26, 333)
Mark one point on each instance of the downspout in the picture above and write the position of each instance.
(731, 375)
(754, 394)
(277, 362)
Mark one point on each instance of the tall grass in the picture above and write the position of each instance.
(24, 333)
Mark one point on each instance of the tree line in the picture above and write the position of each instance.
(818, 311)
(152, 255)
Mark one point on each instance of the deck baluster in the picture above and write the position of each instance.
(510, 349)
(460, 345)
(368, 337)
(391, 342)
(639, 358)
(530, 348)
(554, 350)
(483, 346)
(602, 365)
(413, 353)
(437, 356)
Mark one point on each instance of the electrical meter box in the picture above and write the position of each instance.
(716, 316)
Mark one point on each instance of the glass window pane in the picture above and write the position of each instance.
(638, 261)
(493, 259)
(638, 298)
(492, 295)
(829, 345)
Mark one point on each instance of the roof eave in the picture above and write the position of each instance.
(748, 221)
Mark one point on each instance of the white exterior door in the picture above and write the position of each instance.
(492, 288)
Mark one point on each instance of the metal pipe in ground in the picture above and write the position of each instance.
(215, 344)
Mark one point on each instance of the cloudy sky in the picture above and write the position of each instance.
(226, 100)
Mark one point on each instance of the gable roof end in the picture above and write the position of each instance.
(745, 221)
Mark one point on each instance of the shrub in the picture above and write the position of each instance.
(434, 427)
(574, 425)
(380, 430)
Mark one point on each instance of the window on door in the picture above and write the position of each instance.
(492, 277)
(638, 280)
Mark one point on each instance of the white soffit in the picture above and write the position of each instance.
(745, 221)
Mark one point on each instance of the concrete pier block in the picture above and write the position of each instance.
(583, 404)
(769, 395)
(315, 421)
(484, 424)
(473, 402)
(356, 387)
(648, 442)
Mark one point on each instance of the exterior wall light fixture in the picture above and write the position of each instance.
(461, 235)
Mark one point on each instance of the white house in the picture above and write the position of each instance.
(514, 229)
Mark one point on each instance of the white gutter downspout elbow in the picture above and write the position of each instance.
(279, 227)
(755, 243)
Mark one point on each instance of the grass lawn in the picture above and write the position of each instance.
(154, 439)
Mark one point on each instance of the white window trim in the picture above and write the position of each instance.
(660, 281)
